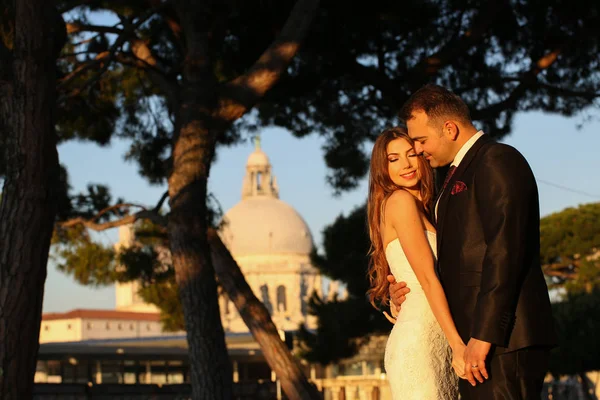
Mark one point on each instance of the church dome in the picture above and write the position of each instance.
(261, 224)
(265, 225)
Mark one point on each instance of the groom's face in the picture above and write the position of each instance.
(429, 140)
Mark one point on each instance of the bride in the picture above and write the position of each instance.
(424, 344)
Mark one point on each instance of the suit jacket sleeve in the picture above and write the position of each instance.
(505, 192)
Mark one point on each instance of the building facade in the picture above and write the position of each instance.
(84, 324)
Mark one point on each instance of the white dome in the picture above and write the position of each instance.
(263, 226)
(258, 158)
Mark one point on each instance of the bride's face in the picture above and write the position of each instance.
(403, 165)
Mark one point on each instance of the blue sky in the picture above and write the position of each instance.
(558, 152)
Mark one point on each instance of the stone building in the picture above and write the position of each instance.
(272, 244)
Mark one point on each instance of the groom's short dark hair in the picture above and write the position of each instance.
(437, 102)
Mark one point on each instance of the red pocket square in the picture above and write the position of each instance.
(458, 187)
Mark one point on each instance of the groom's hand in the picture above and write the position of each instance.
(475, 355)
(398, 292)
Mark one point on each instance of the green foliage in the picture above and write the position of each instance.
(147, 260)
(588, 277)
(74, 249)
(569, 232)
(76, 254)
(577, 321)
(346, 243)
(165, 296)
(343, 324)
(98, 103)
(569, 241)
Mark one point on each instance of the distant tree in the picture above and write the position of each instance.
(577, 323)
(31, 35)
(570, 254)
(344, 324)
(570, 248)
(147, 261)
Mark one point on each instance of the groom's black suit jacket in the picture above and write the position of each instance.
(489, 249)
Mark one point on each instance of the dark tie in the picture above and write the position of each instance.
(448, 176)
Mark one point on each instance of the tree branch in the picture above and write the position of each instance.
(565, 92)
(108, 56)
(259, 322)
(241, 94)
(115, 207)
(375, 77)
(156, 72)
(160, 203)
(158, 77)
(76, 27)
(75, 54)
(526, 81)
(81, 69)
(151, 215)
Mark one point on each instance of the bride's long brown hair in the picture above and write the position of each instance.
(381, 187)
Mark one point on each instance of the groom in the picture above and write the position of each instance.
(488, 248)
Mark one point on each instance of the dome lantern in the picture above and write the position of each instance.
(258, 180)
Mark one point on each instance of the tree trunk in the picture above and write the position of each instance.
(210, 368)
(28, 204)
(257, 318)
(193, 151)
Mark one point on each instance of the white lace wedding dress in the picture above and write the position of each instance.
(417, 356)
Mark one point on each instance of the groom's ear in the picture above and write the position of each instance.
(450, 129)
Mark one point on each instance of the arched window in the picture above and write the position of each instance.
(258, 181)
(264, 294)
(281, 299)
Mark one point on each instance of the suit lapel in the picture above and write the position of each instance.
(445, 197)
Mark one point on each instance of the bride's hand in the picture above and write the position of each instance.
(458, 360)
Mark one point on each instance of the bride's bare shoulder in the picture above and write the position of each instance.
(401, 202)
